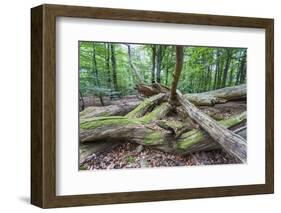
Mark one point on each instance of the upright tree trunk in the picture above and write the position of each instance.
(107, 65)
(96, 72)
(158, 65)
(153, 63)
(230, 77)
(81, 99)
(114, 72)
(241, 69)
(136, 73)
(207, 79)
(216, 69)
(226, 67)
(177, 72)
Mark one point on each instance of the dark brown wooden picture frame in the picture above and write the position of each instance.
(43, 105)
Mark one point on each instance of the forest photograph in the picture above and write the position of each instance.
(152, 105)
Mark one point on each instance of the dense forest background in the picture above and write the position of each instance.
(115, 68)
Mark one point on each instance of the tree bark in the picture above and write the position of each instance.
(242, 67)
(218, 96)
(122, 108)
(201, 99)
(107, 65)
(81, 100)
(177, 72)
(231, 142)
(158, 64)
(95, 70)
(114, 72)
(153, 63)
(116, 129)
(226, 67)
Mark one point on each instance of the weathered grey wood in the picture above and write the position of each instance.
(218, 96)
(231, 142)
(122, 108)
(200, 99)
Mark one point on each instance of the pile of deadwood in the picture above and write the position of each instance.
(167, 120)
(179, 123)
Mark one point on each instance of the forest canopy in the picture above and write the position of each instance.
(107, 68)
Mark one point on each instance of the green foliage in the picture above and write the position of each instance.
(204, 69)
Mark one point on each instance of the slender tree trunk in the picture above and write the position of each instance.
(114, 71)
(207, 79)
(243, 70)
(95, 70)
(230, 77)
(242, 66)
(107, 65)
(153, 64)
(82, 106)
(243, 75)
(177, 72)
(158, 65)
(219, 81)
(216, 70)
(136, 73)
(167, 76)
(226, 68)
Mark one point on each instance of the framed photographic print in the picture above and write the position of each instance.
(136, 106)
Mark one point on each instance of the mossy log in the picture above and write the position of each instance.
(122, 108)
(146, 106)
(99, 128)
(230, 142)
(118, 129)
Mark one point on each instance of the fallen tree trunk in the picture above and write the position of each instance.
(122, 108)
(231, 142)
(218, 96)
(236, 93)
(200, 99)
(116, 129)
(146, 106)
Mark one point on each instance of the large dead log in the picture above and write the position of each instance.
(121, 108)
(231, 142)
(200, 99)
(116, 129)
(218, 96)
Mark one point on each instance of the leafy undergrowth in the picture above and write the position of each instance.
(130, 155)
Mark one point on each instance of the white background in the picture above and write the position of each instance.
(70, 31)
(15, 105)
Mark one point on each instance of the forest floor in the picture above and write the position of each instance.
(130, 155)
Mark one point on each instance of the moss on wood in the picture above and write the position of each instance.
(94, 123)
(195, 136)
